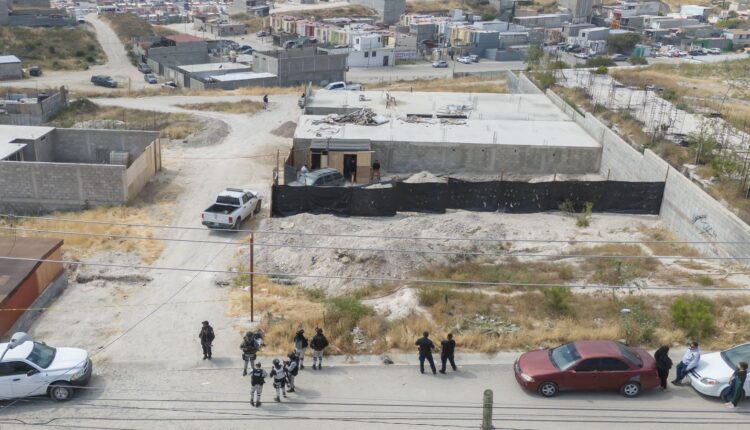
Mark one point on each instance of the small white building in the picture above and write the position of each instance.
(10, 67)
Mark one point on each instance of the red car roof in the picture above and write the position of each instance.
(598, 348)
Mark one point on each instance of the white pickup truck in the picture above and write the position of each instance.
(232, 206)
(343, 86)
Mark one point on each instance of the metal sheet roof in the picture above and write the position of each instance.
(14, 272)
(9, 59)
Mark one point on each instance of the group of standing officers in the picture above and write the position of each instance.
(284, 372)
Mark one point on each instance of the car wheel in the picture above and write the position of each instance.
(257, 207)
(548, 389)
(631, 389)
(60, 392)
(237, 223)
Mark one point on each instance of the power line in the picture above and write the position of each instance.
(356, 236)
(390, 250)
(378, 279)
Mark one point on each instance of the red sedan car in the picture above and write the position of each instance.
(601, 365)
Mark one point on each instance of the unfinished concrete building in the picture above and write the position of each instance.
(44, 168)
(483, 134)
(31, 109)
(299, 66)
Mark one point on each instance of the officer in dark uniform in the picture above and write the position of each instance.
(207, 337)
(249, 347)
(425, 352)
(447, 350)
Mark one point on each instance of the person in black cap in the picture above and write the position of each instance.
(425, 352)
(207, 337)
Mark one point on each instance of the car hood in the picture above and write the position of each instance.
(537, 363)
(714, 367)
(66, 358)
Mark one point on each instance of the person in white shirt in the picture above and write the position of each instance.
(689, 362)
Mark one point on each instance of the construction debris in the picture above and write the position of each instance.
(455, 109)
(487, 326)
(364, 116)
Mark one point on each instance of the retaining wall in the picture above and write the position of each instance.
(687, 210)
(520, 84)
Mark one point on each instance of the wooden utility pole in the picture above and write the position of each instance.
(487, 411)
(252, 276)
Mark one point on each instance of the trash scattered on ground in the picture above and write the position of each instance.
(360, 340)
(487, 326)
(455, 109)
(364, 116)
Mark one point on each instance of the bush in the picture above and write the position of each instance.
(556, 299)
(637, 61)
(638, 325)
(585, 217)
(599, 61)
(545, 79)
(694, 315)
(623, 43)
(347, 308)
(601, 70)
(430, 296)
(669, 94)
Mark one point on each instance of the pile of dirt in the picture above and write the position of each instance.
(393, 242)
(285, 130)
(424, 177)
(212, 133)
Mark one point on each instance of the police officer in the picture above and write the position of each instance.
(206, 336)
(249, 347)
(425, 352)
(278, 373)
(318, 344)
(292, 368)
(447, 351)
(300, 346)
(257, 379)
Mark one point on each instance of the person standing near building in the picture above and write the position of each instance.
(278, 373)
(736, 383)
(292, 368)
(689, 362)
(663, 364)
(206, 336)
(376, 170)
(303, 172)
(257, 379)
(249, 349)
(300, 346)
(265, 101)
(425, 352)
(447, 351)
(318, 345)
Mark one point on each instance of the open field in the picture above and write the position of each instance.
(52, 48)
(129, 26)
(171, 125)
(245, 106)
(454, 85)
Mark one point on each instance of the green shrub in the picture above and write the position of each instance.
(347, 308)
(637, 61)
(638, 325)
(694, 315)
(556, 299)
(599, 61)
(601, 70)
(669, 94)
(584, 218)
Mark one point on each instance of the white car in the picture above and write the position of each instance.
(464, 60)
(35, 369)
(711, 377)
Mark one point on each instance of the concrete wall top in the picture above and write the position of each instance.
(93, 146)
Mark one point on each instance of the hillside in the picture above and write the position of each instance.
(52, 48)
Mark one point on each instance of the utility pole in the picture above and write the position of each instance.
(252, 276)
(487, 411)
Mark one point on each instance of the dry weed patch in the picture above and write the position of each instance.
(244, 106)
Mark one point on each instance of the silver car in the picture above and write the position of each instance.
(320, 178)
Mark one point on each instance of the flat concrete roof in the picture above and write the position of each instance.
(524, 107)
(9, 133)
(212, 67)
(479, 132)
(9, 59)
(242, 76)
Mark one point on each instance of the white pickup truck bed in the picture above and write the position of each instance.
(232, 207)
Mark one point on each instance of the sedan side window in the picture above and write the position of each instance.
(14, 368)
(6, 369)
(612, 364)
(590, 365)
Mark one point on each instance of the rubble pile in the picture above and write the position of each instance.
(487, 326)
(364, 116)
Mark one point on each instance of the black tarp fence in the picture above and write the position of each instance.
(493, 196)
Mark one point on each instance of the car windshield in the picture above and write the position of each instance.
(735, 355)
(42, 355)
(310, 180)
(631, 355)
(564, 356)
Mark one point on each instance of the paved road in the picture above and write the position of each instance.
(185, 392)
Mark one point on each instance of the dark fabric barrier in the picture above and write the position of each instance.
(503, 196)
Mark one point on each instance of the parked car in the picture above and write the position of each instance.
(144, 68)
(711, 377)
(246, 49)
(170, 85)
(341, 85)
(440, 64)
(327, 177)
(474, 58)
(35, 369)
(232, 206)
(150, 78)
(262, 34)
(35, 71)
(591, 365)
(104, 81)
(619, 57)
(714, 51)
(464, 60)
(582, 55)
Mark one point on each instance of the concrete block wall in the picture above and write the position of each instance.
(35, 113)
(93, 146)
(520, 84)
(44, 187)
(142, 170)
(687, 210)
